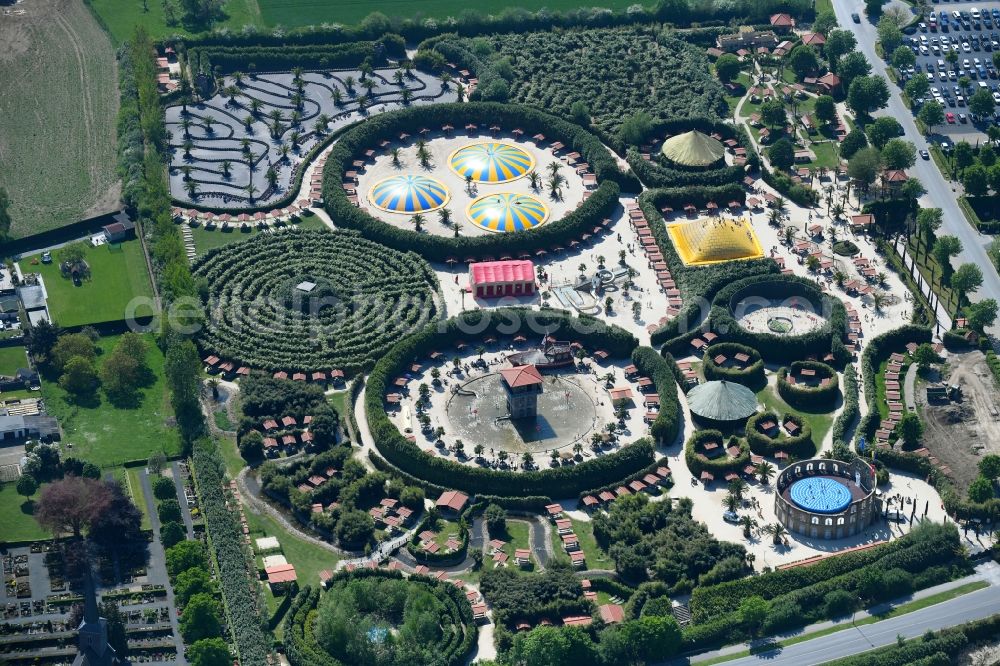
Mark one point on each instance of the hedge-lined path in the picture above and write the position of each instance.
(910, 388)
(175, 469)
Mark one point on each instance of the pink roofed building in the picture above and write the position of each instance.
(490, 279)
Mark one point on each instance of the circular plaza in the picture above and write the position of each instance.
(465, 184)
(826, 499)
(789, 316)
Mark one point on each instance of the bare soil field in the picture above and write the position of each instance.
(960, 433)
(57, 115)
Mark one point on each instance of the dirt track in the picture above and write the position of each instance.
(960, 433)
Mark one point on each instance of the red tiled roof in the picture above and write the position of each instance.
(452, 499)
(281, 573)
(612, 613)
(523, 375)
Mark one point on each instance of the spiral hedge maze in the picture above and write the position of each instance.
(800, 445)
(355, 142)
(264, 314)
(809, 396)
(504, 324)
(379, 618)
(751, 373)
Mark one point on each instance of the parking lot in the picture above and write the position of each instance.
(972, 31)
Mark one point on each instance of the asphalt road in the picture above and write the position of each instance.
(939, 191)
(966, 608)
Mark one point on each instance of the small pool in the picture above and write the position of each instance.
(821, 494)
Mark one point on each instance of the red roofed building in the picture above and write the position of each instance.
(783, 22)
(502, 278)
(522, 385)
(452, 500)
(280, 575)
(829, 81)
(813, 39)
(612, 613)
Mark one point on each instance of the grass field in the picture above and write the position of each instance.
(308, 558)
(16, 520)
(117, 275)
(122, 16)
(205, 240)
(107, 435)
(134, 487)
(57, 116)
(12, 358)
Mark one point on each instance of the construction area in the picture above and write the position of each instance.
(961, 429)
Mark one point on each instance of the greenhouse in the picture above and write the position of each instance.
(492, 162)
(409, 194)
(507, 211)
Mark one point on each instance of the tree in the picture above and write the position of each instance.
(4, 214)
(981, 103)
(882, 129)
(910, 429)
(967, 279)
(125, 370)
(982, 314)
(764, 471)
(903, 57)
(867, 94)
(119, 522)
(496, 518)
(899, 154)
(852, 143)
(200, 619)
(838, 603)
(69, 346)
(931, 114)
(580, 113)
(944, 248)
(79, 377)
(169, 510)
(912, 189)
(864, 167)
(852, 66)
(781, 154)
(803, 60)
(975, 180)
(636, 128)
(889, 34)
(172, 533)
(71, 504)
(917, 87)
(772, 113)
(186, 555)
(355, 528)
(826, 109)
(209, 652)
(989, 466)
(987, 155)
(553, 646)
(981, 490)
(163, 488)
(925, 356)
(41, 339)
(928, 221)
(645, 640)
(727, 67)
(838, 44)
(964, 155)
(27, 485)
(753, 611)
(190, 582)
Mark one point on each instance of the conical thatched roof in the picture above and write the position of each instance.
(722, 401)
(701, 242)
(693, 149)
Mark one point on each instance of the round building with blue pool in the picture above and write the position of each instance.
(826, 499)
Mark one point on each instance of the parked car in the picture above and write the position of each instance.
(855, 17)
(950, 117)
(46, 257)
(925, 155)
(731, 517)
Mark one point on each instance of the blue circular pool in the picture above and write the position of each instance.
(820, 494)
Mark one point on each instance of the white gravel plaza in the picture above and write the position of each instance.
(441, 148)
(773, 318)
(564, 420)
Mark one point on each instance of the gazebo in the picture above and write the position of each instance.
(693, 149)
(721, 403)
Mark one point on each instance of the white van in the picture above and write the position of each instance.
(975, 13)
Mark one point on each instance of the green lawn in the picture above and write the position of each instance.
(308, 559)
(339, 401)
(231, 456)
(929, 267)
(827, 155)
(107, 435)
(597, 558)
(732, 100)
(117, 275)
(820, 422)
(16, 520)
(12, 358)
(134, 486)
(123, 16)
(205, 240)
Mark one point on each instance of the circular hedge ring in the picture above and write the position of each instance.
(733, 362)
(809, 384)
(302, 301)
(776, 438)
(378, 618)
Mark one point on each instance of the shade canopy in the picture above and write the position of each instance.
(492, 162)
(722, 401)
(693, 149)
(711, 241)
(409, 194)
(507, 211)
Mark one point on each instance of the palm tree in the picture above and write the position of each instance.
(406, 95)
(839, 277)
(555, 185)
(295, 137)
(578, 449)
(777, 532)
(459, 92)
(186, 170)
(527, 460)
(232, 92)
(445, 80)
(349, 84)
(238, 78)
(445, 216)
(503, 455)
(192, 189)
(251, 190)
(283, 150)
(186, 126)
(879, 300)
(417, 221)
(394, 154)
(468, 182)
(457, 227)
(338, 97)
(478, 450)
(397, 76)
(764, 471)
(838, 211)
(554, 167)
(322, 123)
(245, 145)
(209, 121)
(738, 488)
(248, 121)
(789, 235)
(226, 166)
(534, 179)
(731, 502)
(255, 106)
(187, 146)
(271, 176)
(275, 115)
(296, 117)
(748, 524)
(780, 205)
(362, 102)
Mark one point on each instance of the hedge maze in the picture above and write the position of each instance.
(364, 298)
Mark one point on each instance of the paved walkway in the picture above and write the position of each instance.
(910, 387)
(181, 499)
(981, 603)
